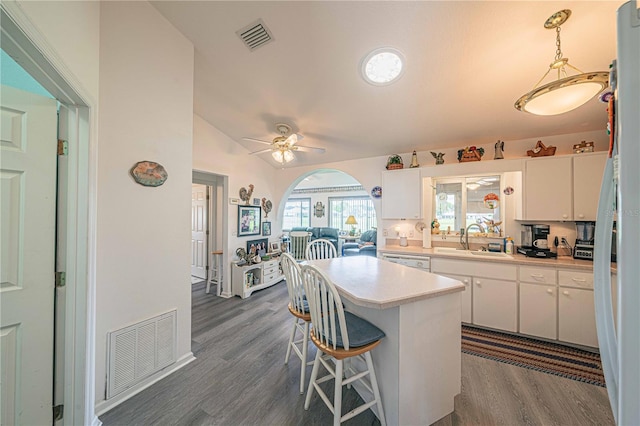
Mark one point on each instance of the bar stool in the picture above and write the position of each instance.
(339, 335)
(216, 272)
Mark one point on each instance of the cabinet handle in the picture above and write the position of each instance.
(479, 283)
(581, 216)
(537, 276)
(549, 291)
(466, 282)
(420, 264)
(566, 292)
(565, 216)
(578, 280)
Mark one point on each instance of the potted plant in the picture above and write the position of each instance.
(395, 162)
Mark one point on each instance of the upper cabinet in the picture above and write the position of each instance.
(588, 170)
(563, 188)
(402, 194)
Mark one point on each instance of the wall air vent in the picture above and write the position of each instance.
(255, 35)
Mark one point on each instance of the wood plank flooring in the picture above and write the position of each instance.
(239, 378)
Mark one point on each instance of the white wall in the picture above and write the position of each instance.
(143, 233)
(215, 152)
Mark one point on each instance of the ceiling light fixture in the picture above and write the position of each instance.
(566, 92)
(383, 66)
(283, 155)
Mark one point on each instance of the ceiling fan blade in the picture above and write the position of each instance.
(262, 151)
(258, 140)
(309, 149)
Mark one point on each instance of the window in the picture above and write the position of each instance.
(297, 213)
(340, 208)
(460, 202)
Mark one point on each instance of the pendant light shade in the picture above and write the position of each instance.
(283, 156)
(566, 93)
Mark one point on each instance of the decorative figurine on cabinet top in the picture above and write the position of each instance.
(439, 157)
(470, 154)
(395, 162)
(499, 150)
(414, 160)
(541, 150)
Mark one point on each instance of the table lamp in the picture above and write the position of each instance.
(353, 222)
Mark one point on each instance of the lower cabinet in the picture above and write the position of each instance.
(246, 279)
(576, 317)
(538, 310)
(495, 303)
(466, 295)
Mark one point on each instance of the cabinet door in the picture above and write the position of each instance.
(538, 310)
(576, 317)
(401, 194)
(548, 189)
(587, 178)
(466, 295)
(495, 303)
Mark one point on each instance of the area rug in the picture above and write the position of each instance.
(551, 358)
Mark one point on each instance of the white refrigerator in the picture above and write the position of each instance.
(619, 337)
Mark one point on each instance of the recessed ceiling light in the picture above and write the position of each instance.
(383, 66)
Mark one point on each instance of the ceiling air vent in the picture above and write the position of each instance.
(255, 35)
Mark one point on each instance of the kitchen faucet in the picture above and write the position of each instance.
(465, 243)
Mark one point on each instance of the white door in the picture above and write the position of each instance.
(199, 231)
(27, 230)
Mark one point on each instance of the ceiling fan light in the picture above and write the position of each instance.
(277, 155)
(288, 156)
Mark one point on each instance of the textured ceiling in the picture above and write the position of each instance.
(466, 64)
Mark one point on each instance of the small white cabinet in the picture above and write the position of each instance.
(588, 170)
(246, 279)
(538, 310)
(576, 311)
(466, 296)
(548, 186)
(402, 194)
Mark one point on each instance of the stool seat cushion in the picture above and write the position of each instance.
(361, 332)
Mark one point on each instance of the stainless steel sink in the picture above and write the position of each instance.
(469, 253)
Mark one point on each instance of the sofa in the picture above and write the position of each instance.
(366, 246)
(330, 234)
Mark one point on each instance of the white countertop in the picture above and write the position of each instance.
(370, 282)
(562, 261)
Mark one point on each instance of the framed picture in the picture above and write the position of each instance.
(274, 247)
(256, 201)
(258, 247)
(249, 218)
(266, 229)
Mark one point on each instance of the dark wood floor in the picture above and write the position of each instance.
(239, 378)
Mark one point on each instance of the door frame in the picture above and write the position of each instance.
(24, 42)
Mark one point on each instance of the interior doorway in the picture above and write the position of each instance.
(199, 232)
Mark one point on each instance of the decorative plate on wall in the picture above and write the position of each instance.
(149, 173)
(376, 192)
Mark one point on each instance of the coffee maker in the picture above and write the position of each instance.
(534, 242)
(584, 240)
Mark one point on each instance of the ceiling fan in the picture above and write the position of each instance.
(282, 146)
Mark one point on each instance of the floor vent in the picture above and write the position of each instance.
(255, 35)
(137, 351)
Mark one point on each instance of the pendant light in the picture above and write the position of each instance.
(566, 92)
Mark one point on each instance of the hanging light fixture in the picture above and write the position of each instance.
(566, 92)
(283, 155)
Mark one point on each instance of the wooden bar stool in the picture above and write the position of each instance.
(216, 272)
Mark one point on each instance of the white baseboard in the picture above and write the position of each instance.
(106, 405)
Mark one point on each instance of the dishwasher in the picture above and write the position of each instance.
(418, 262)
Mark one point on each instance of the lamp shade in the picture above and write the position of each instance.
(351, 221)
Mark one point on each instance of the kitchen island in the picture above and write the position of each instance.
(418, 362)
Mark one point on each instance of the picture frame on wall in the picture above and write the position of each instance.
(249, 220)
(266, 229)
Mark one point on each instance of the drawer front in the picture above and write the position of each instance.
(475, 269)
(269, 277)
(270, 264)
(538, 275)
(270, 270)
(575, 279)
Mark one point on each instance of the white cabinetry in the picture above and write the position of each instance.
(402, 194)
(548, 188)
(587, 178)
(467, 300)
(538, 302)
(576, 313)
(249, 278)
(563, 188)
(492, 294)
